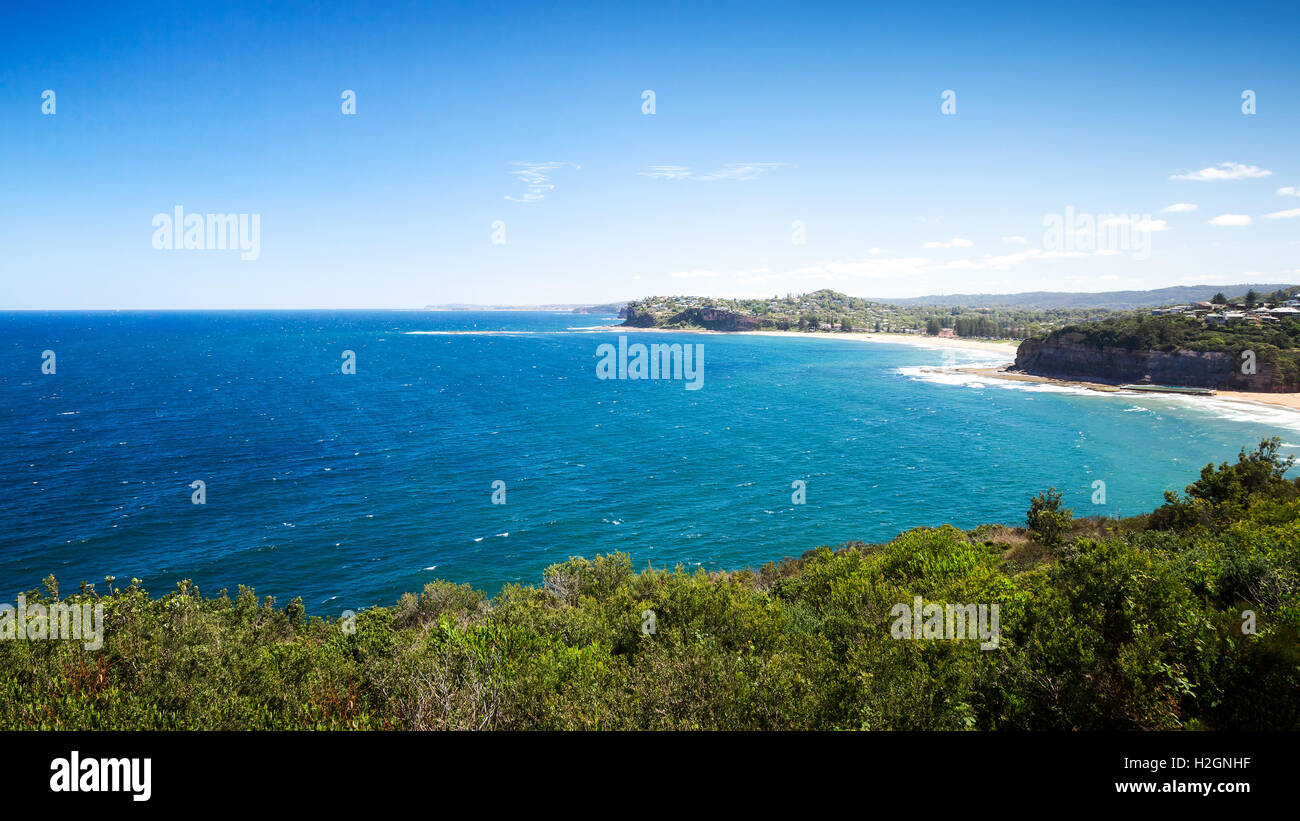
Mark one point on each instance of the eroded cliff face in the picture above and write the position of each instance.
(1066, 357)
(636, 320)
(715, 319)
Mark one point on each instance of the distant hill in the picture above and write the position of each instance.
(1111, 300)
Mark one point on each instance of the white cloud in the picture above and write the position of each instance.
(698, 273)
(1178, 208)
(756, 275)
(741, 171)
(536, 176)
(667, 172)
(1148, 225)
(1225, 171)
(1005, 261)
(1288, 191)
(955, 242)
(875, 268)
(1282, 215)
(730, 171)
(1231, 220)
(864, 268)
(915, 266)
(1015, 240)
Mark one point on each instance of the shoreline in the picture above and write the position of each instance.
(1290, 401)
(918, 340)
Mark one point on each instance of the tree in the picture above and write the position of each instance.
(1046, 520)
(932, 326)
(1225, 492)
(1219, 299)
(1252, 298)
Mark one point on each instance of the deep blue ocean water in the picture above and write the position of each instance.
(350, 489)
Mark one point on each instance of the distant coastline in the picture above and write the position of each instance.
(1290, 401)
(1007, 346)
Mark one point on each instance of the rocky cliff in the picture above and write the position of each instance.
(714, 319)
(1066, 356)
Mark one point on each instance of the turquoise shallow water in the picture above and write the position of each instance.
(352, 489)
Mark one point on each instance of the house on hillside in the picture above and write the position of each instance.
(1225, 317)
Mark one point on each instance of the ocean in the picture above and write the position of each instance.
(349, 489)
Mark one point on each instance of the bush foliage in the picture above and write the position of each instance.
(1132, 624)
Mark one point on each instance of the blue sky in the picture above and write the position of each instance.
(765, 114)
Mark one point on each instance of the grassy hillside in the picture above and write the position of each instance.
(1134, 624)
(831, 311)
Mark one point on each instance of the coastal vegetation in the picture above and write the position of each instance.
(1173, 333)
(1241, 352)
(1112, 300)
(830, 311)
(1184, 618)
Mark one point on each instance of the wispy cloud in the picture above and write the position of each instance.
(1004, 261)
(1224, 171)
(911, 267)
(955, 242)
(843, 269)
(1231, 220)
(536, 176)
(1282, 215)
(1178, 208)
(698, 273)
(1148, 225)
(755, 276)
(1015, 240)
(667, 172)
(730, 171)
(1288, 191)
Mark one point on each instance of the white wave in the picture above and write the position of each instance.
(963, 380)
(1245, 411)
(1232, 410)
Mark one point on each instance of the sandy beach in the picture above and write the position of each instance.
(1007, 347)
(1283, 400)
